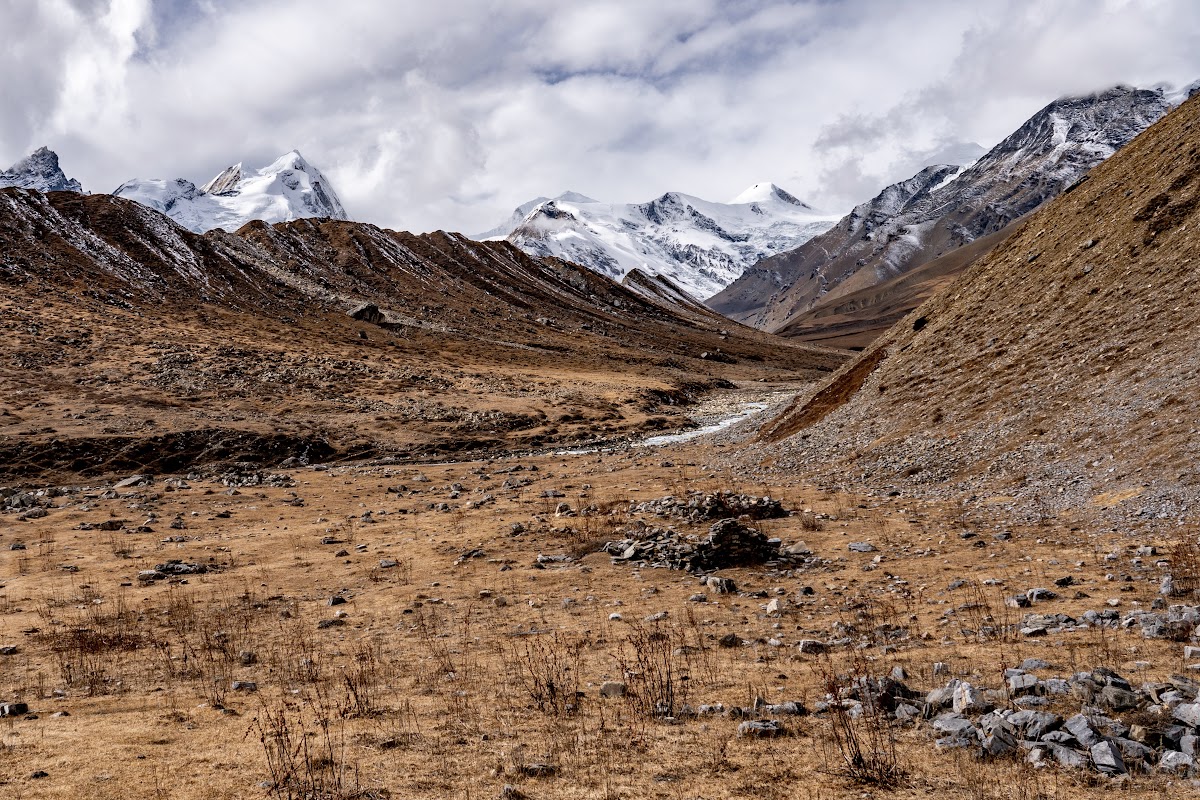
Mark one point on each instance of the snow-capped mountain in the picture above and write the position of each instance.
(39, 170)
(287, 189)
(700, 245)
(944, 207)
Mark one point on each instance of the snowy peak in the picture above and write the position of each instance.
(289, 188)
(768, 193)
(699, 245)
(39, 170)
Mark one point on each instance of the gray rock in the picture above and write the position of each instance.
(968, 699)
(1176, 762)
(811, 647)
(720, 585)
(1001, 741)
(244, 686)
(1035, 724)
(1067, 757)
(13, 709)
(759, 728)
(1080, 727)
(613, 689)
(862, 547)
(1107, 758)
(1020, 684)
(955, 725)
(1134, 752)
(388, 563)
(1118, 699)
(1187, 713)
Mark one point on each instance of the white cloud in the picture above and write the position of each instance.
(446, 115)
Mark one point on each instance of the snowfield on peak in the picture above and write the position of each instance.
(287, 189)
(701, 246)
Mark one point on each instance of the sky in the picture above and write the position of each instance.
(448, 115)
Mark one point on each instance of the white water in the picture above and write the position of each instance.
(744, 412)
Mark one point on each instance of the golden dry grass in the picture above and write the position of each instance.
(436, 684)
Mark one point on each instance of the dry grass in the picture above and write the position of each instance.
(450, 676)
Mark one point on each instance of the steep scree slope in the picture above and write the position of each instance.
(1062, 368)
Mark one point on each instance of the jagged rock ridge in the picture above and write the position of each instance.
(1059, 369)
(39, 170)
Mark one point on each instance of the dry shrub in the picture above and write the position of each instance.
(861, 732)
(548, 670)
(655, 670)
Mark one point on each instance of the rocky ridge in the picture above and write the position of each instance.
(942, 208)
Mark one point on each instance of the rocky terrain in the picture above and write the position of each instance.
(937, 211)
(314, 509)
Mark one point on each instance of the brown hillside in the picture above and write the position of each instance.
(1061, 368)
(859, 318)
(130, 343)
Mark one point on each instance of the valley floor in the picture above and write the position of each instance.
(444, 630)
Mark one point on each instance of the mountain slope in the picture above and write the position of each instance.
(941, 209)
(39, 170)
(1060, 369)
(699, 245)
(287, 189)
(129, 342)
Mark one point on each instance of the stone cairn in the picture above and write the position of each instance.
(731, 540)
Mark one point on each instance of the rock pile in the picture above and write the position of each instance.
(1177, 622)
(706, 506)
(173, 569)
(1160, 732)
(246, 474)
(729, 543)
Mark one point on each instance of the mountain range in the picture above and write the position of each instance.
(699, 245)
(938, 210)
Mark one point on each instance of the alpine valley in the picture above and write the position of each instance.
(297, 507)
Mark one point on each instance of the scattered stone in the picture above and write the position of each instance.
(862, 547)
(759, 729)
(612, 689)
(1107, 758)
(14, 709)
(538, 770)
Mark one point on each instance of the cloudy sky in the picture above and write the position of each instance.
(448, 114)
